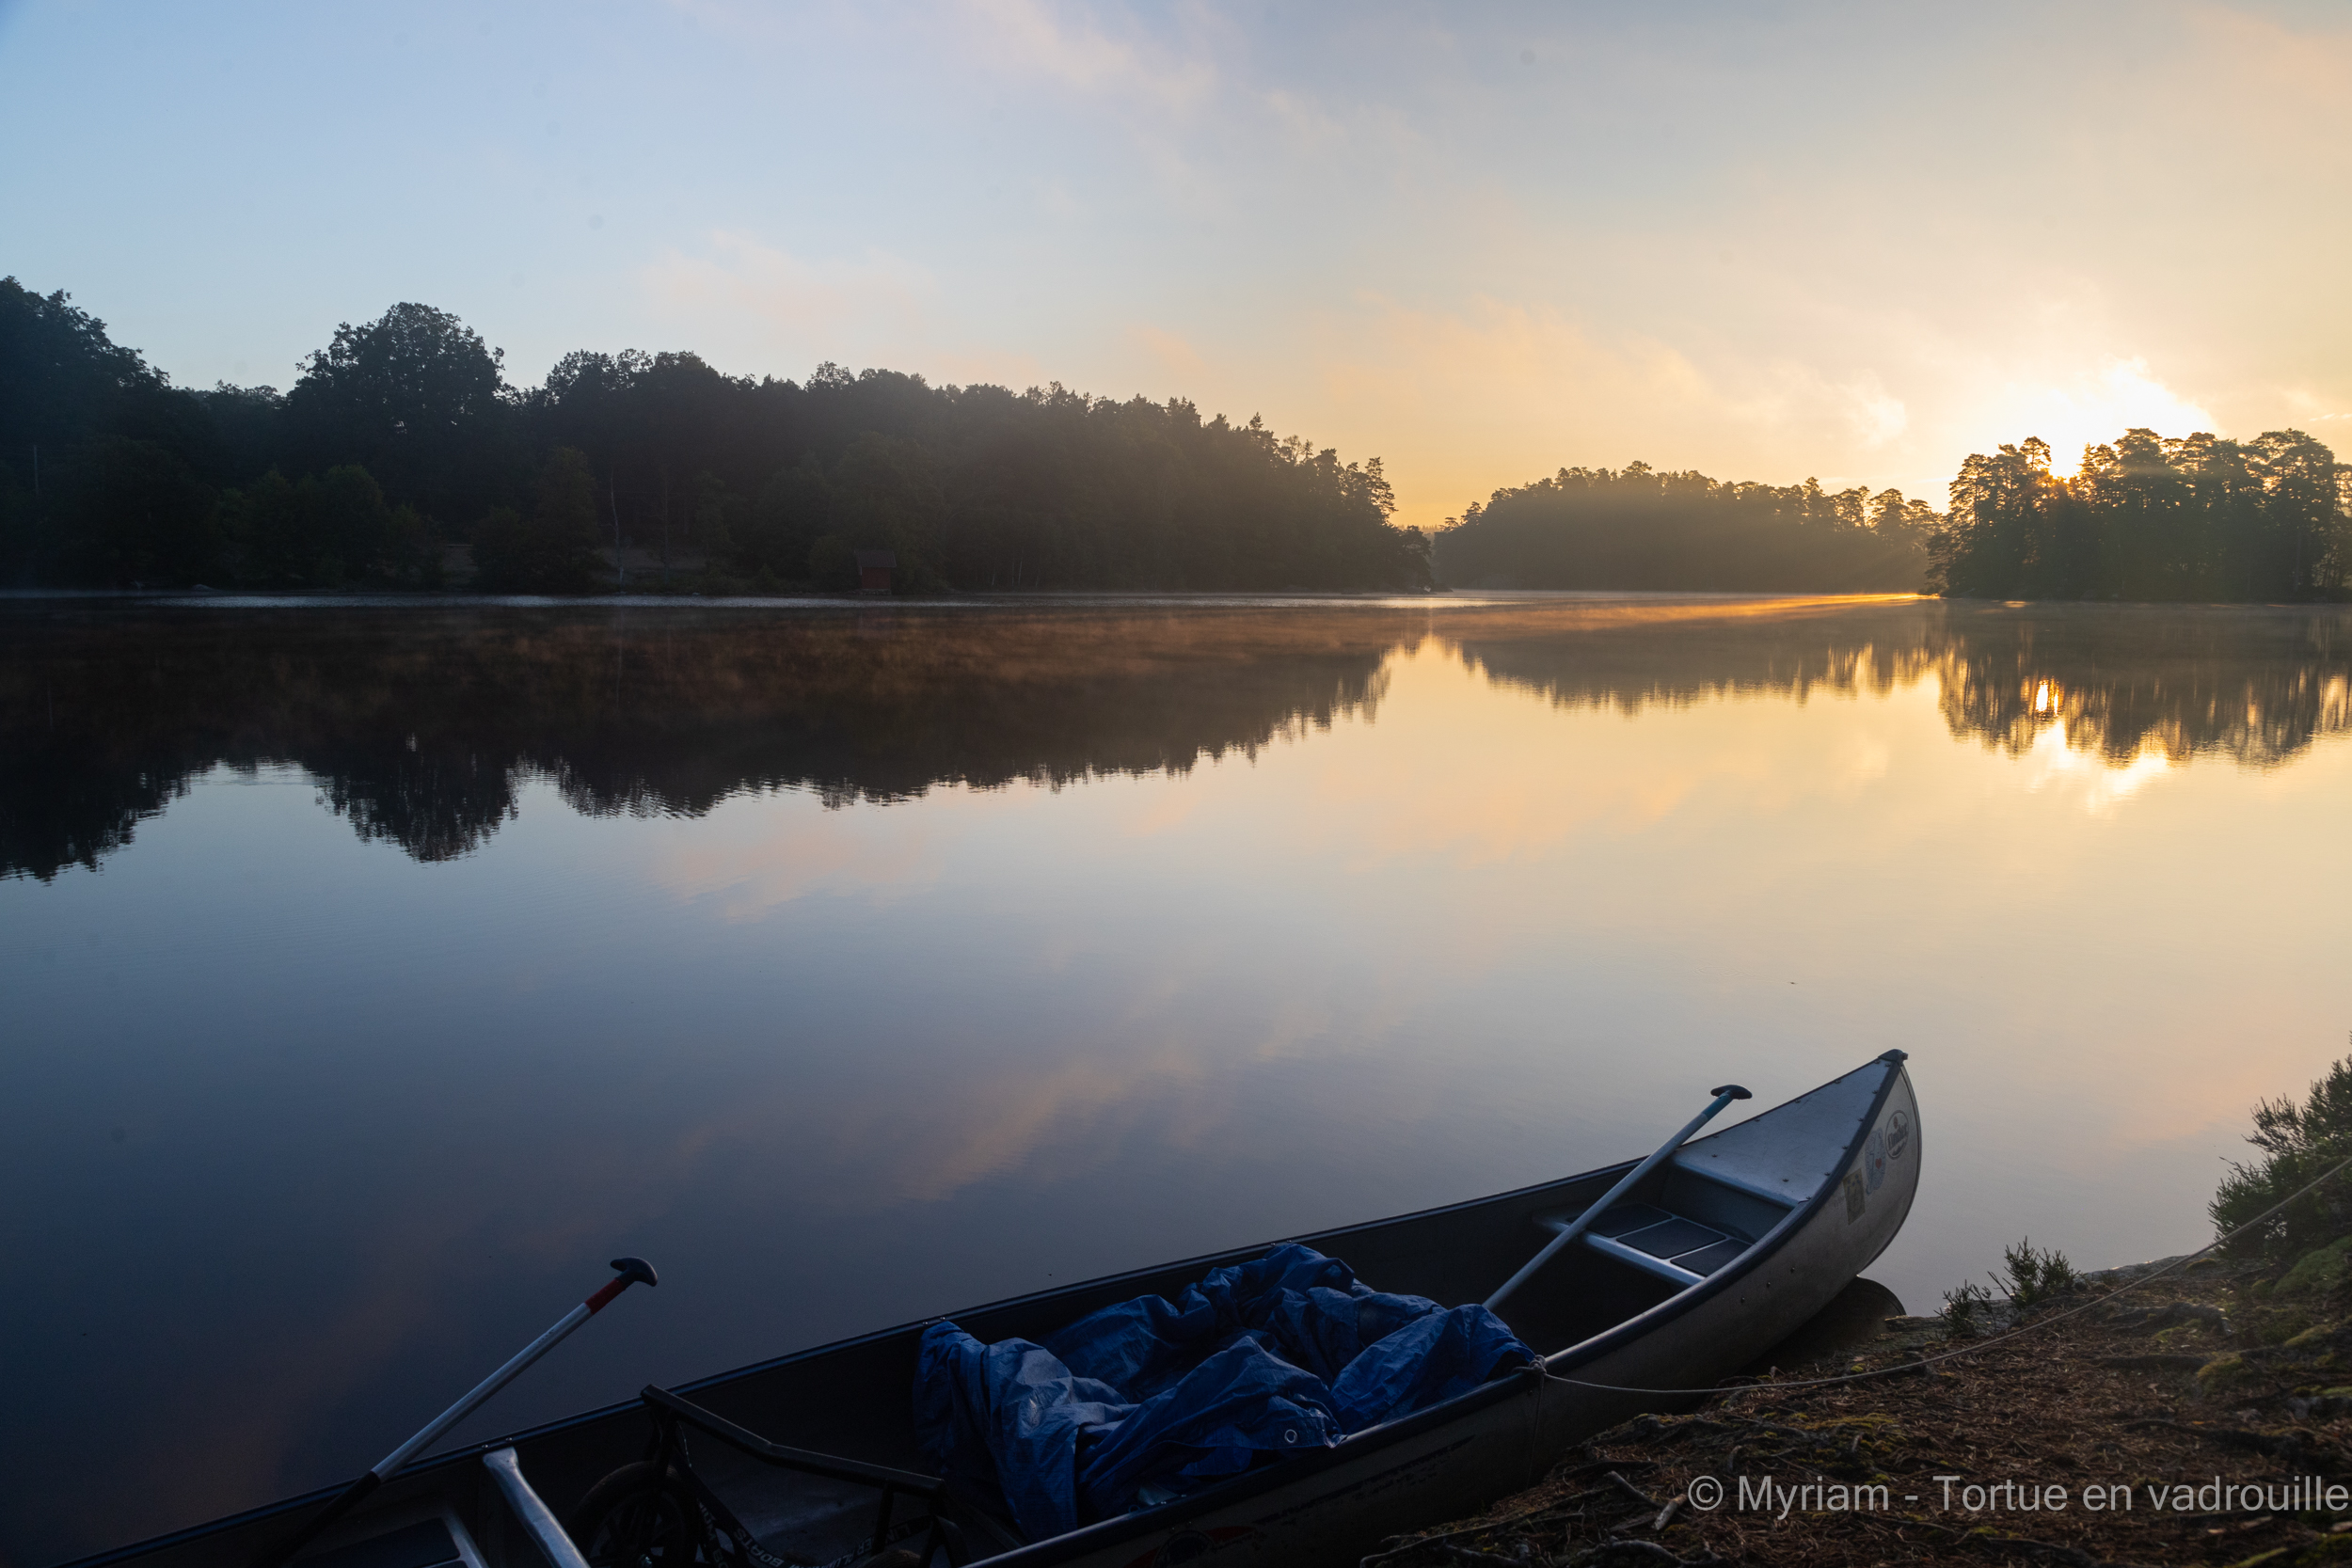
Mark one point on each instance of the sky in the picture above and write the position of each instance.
(1766, 241)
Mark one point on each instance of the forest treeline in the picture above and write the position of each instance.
(2199, 518)
(1638, 527)
(402, 438)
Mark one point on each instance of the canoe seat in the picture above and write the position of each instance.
(1673, 1248)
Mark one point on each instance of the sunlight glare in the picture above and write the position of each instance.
(2099, 784)
(2096, 407)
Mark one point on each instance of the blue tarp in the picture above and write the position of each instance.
(1283, 1354)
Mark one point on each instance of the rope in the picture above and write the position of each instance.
(1906, 1367)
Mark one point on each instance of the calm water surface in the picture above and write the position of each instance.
(371, 976)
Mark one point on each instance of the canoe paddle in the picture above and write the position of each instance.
(632, 1270)
(1724, 1097)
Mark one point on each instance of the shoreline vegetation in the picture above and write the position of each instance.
(2199, 1415)
(402, 460)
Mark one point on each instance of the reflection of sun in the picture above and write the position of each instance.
(2041, 698)
(2098, 782)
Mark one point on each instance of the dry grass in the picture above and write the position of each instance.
(2203, 1377)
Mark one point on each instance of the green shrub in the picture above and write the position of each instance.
(1962, 1305)
(2036, 1275)
(2298, 1142)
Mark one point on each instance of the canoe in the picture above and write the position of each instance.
(1715, 1257)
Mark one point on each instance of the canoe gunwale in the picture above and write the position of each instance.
(1525, 1379)
(1300, 1468)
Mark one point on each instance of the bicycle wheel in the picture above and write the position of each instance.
(639, 1516)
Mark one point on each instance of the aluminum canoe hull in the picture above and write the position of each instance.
(1833, 1171)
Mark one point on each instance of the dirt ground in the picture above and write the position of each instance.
(2068, 1444)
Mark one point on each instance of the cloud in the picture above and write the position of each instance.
(1795, 395)
(824, 307)
(1028, 38)
(1310, 128)
(1171, 349)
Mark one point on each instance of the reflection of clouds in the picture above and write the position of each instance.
(998, 1121)
(798, 852)
(1171, 809)
(1862, 761)
(211, 1448)
(1477, 772)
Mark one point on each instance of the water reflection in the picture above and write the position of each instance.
(420, 725)
(856, 967)
(2256, 686)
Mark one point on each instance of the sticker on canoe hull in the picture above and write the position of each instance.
(1898, 1134)
(1856, 1195)
(1874, 1160)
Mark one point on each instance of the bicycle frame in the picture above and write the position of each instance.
(717, 1523)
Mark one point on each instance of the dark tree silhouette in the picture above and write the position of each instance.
(2147, 518)
(727, 480)
(1638, 528)
(414, 397)
(553, 550)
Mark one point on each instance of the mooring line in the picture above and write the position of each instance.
(1924, 1362)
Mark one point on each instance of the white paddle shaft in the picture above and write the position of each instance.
(1724, 1097)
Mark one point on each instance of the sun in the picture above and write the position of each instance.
(2096, 406)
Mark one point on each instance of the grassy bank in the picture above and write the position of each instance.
(2200, 1414)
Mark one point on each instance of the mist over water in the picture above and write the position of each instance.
(375, 975)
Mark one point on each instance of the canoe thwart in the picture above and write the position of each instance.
(537, 1519)
(1676, 1249)
(1724, 1094)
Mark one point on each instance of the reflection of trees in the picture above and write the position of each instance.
(2257, 685)
(2254, 685)
(419, 724)
(1632, 656)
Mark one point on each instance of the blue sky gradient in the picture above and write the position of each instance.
(1767, 241)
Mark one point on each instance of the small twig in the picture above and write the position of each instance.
(1636, 1551)
(1465, 1554)
(1666, 1514)
(1412, 1545)
(1632, 1491)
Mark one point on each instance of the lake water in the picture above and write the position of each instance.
(372, 975)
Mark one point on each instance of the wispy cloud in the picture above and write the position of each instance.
(1169, 348)
(1069, 46)
(830, 307)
